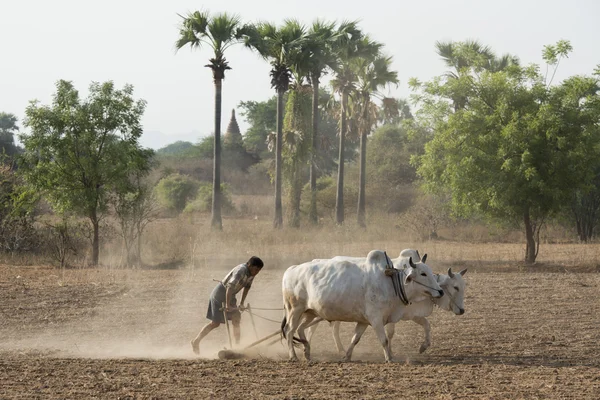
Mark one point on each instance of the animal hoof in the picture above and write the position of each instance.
(422, 349)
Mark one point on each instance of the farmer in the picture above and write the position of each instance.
(239, 278)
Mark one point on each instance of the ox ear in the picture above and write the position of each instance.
(409, 277)
(463, 272)
(410, 262)
(450, 273)
(424, 258)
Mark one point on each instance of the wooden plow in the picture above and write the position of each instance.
(235, 354)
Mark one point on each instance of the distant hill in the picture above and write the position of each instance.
(178, 147)
(157, 140)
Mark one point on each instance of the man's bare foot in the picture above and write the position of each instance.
(195, 347)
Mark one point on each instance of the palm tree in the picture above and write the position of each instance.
(296, 144)
(279, 46)
(462, 57)
(319, 57)
(372, 74)
(393, 111)
(350, 44)
(219, 32)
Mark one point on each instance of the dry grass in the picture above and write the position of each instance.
(189, 241)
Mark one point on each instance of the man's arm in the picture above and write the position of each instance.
(244, 294)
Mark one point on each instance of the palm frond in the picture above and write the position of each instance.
(219, 31)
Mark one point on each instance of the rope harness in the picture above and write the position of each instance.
(397, 280)
(422, 284)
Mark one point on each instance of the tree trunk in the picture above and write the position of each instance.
(585, 211)
(96, 239)
(530, 250)
(216, 222)
(295, 194)
(362, 181)
(138, 254)
(312, 212)
(278, 221)
(339, 200)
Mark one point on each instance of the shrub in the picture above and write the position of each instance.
(174, 191)
(203, 200)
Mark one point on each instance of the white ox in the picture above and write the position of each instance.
(453, 286)
(351, 290)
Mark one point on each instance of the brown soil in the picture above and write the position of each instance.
(125, 334)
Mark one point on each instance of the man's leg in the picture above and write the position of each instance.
(205, 331)
(236, 317)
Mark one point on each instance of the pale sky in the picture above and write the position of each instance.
(131, 41)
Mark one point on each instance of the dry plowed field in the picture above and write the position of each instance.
(526, 334)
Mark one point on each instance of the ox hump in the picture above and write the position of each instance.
(377, 257)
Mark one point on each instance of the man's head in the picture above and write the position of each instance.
(255, 264)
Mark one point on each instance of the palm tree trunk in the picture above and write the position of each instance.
(362, 181)
(339, 200)
(312, 212)
(278, 221)
(216, 222)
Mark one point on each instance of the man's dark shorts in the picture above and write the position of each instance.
(215, 305)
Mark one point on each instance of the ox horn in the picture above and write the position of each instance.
(450, 273)
(464, 271)
(424, 258)
(410, 262)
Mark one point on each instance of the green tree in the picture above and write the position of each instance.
(279, 46)
(135, 207)
(393, 111)
(585, 209)
(8, 129)
(262, 118)
(464, 58)
(388, 156)
(319, 57)
(372, 75)
(296, 144)
(219, 32)
(79, 150)
(176, 190)
(512, 152)
(18, 204)
(262, 115)
(351, 44)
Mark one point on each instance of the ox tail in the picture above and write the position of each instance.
(296, 340)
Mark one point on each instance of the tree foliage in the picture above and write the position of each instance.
(219, 32)
(281, 47)
(79, 150)
(262, 118)
(8, 130)
(517, 148)
(176, 190)
(296, 145)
